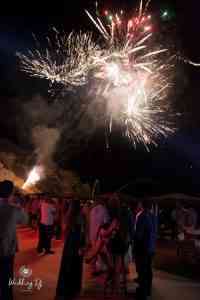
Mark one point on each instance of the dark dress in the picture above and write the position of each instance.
(145, 243)
(70, 275)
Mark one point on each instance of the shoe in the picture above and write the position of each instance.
(149, 295)
(59, 298)
(41, 253)
(98, 273)
(50, 252)
(140, 296)
(136, 280)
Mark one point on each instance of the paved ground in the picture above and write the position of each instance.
(45, 268)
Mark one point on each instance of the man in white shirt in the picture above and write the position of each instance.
(48, 212)
(10, 216)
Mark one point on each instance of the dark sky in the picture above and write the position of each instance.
(177, 160)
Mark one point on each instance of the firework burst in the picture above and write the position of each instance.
(136, 75)
(132, 72)
(66, 60)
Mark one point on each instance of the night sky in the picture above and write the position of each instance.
(175, 163)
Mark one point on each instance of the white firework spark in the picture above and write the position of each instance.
(34, 176)
(136, 76)
(66, 60)
(132, 72)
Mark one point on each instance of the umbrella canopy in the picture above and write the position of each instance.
(171, 199)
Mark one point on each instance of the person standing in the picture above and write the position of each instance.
(47, 214)
(98, 217)
(71, 268)
(144, 249)
(120, 241)
(10, 216)
(86, 214)
(59, 219)
(138, 209)
(35, 207)
(192, 218)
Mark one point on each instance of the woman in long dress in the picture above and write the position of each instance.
(70, 275)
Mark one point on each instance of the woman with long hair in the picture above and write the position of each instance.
(119, 243)
(70, 275)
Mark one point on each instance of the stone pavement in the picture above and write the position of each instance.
(45, 269)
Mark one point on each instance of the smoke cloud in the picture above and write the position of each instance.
(45, 141)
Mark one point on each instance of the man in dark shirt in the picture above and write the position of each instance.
(10, 216)
(145, 243)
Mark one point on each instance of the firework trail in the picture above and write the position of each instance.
(132, 72)
(66, 60)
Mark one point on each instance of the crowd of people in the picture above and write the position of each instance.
(177, 221)
(107, 235)
(103, 234)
